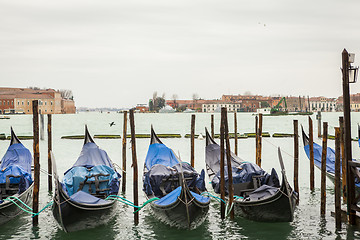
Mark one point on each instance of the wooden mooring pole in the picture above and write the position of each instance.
(192, 157)
(343, 160)
(256, 138)
(228, 162)
(337, 180)
(42, 127)
(222, 166)
(35, 105)
(49, 128)
(296, 158)
(350, 183)
(323, 170)
(259, 133)
(311, 148)
(134, 165)
(123, 189)
(212, 126)
(236, 134)
(318, 117)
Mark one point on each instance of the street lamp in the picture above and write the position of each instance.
(353, 73)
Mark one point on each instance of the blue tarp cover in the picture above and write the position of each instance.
(173, 196)
(160, 154)
(240, 174)
(92, 155)
(86, 198)
(17, 161)
(163, 166)
(330, 157)
(76, 175)
(17, 154)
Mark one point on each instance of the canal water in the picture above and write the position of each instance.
(307, 223)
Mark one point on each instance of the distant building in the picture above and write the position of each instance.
(19, 101)
(142, 108)
(322, 104)
(216, 106)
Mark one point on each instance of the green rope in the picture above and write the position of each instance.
(207, 194)
(129, 203)
(147, 202)
(11, 199)
(47, 205)
(237, 197)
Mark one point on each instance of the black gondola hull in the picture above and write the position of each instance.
(73, 216)
(277, 208)
(176, 214)
(9, 210)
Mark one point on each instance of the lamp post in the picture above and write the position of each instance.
(348, 71)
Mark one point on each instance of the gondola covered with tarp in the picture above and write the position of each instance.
(83, 199)
(177, 185)
(16, 183)
(258, 195)
(330, 158)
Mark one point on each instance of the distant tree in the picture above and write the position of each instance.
(181, 108)
(157, 102)
(175, 97)
(66, 94)
(195, 96)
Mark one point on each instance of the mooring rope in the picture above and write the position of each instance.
(207, 194)
(277, 147)
(129, 203)
(11, 199)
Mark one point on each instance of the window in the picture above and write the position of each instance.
(18, 102)
(22, 103)
(45, 102)
(28, 103)
(8, 103)
(51, 103)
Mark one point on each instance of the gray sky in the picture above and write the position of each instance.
(117, 53)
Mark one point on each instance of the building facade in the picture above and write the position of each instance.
(322, 104)
(19, 101)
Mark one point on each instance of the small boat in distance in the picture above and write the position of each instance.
(81, 199)
(176, 184)
(15, 179)
(259, 196)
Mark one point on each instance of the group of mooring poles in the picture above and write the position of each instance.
(36, 157)
(340, 166)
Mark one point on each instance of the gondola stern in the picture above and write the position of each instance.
(209, 139)
(14, 138)
(154, 138)
(87, 137)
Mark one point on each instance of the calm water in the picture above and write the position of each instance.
(307, 223)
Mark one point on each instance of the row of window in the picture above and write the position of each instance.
(8, 102)
(22, 103)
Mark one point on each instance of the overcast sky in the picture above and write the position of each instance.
(117, 53)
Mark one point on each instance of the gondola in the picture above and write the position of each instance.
(177, 185)
(15, 179)
(330, 158)
(258, 196)
(81, 200)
